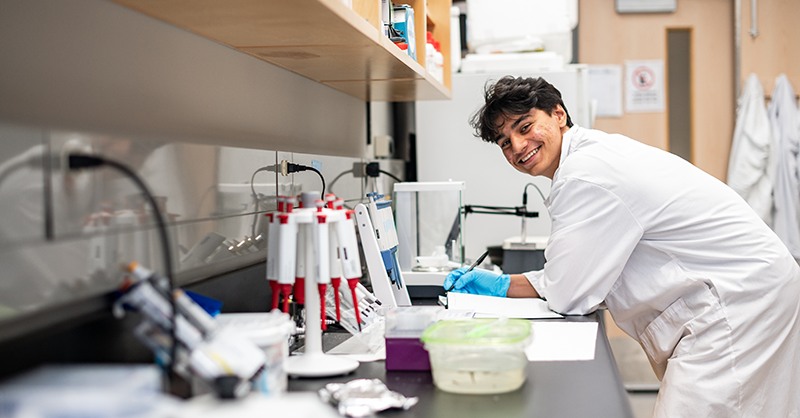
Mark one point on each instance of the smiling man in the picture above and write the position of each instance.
(684, 266)
(531, 141)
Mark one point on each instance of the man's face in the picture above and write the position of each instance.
(532, 142)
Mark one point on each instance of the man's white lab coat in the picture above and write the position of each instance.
(783, 119)
(685, 267)
(750, 170)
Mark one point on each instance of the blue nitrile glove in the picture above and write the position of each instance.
(478, 282)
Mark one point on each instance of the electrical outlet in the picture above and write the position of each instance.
(359, 169)
(73, 146)
(74, 183)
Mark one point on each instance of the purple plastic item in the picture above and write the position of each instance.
(406, 354)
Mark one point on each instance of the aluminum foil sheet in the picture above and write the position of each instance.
(364, 397)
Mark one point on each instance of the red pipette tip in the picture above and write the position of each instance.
(286, 290)
(352, 283)
(276, 294)
(323, 288)
(336, 282)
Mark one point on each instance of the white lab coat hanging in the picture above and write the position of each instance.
(783, 120)
(685, 267)
(750, 167)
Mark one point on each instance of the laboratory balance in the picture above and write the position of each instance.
(430, 222)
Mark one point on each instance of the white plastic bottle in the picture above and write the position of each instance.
(438, 61)
(430, 53)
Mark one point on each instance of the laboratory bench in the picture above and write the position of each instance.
(553, 389)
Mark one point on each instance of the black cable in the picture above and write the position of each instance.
(367, 170)
(89, 161)
(289, 168)
(322, 194)
(525, 193)
(294, 168)
(373, 170)
(397, 179)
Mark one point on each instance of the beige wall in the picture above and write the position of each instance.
(776, 49)
(606, 37)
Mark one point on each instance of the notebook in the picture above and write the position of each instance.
(494, 307)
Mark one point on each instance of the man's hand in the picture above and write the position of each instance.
(478, 282)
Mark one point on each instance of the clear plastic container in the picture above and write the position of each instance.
(271, 332)
(478, 356)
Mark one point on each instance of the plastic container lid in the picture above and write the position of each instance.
(478, 332)
(263, 329)
(410, 321)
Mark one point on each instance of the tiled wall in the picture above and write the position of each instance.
(64, 235)
(193, 117)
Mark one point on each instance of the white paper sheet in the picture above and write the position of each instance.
(562, 341)
(495, 307)
(256, 405)
(605, 85)
(367, 346)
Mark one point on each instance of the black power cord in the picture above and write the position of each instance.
(76, 162)
(284, 168)
(374, 170)
(295, 168)
(366, 170)
(525, 193)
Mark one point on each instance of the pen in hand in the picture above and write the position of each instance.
(475, 264)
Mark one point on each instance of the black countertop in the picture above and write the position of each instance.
(562, 389)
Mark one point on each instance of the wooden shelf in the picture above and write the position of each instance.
(323, 40)
(431, 22)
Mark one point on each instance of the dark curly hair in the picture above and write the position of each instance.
(514, 96)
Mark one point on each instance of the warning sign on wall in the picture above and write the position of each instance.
(644, 86)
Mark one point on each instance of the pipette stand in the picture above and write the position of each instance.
(392, 295)
(314, 362)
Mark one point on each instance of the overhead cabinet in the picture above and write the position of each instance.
(324, 40)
